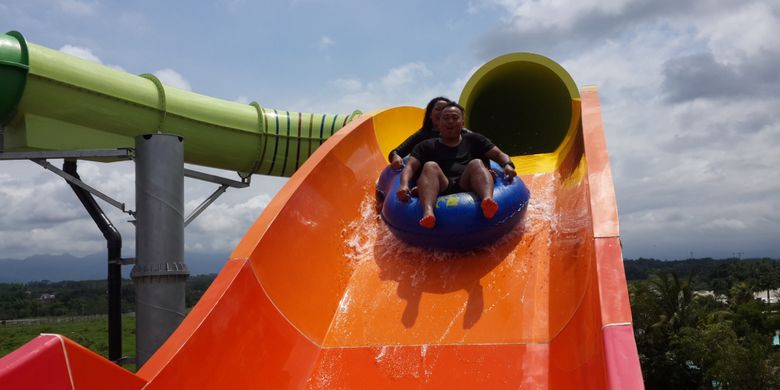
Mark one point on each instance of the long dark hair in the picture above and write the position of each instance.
(427, 122)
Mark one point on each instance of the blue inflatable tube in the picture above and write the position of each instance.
(460, 224)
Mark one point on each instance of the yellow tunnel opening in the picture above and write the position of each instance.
(521, 101)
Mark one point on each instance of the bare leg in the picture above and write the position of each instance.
(477, 178)
(429, 184)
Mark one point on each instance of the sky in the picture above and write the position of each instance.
(689, 93)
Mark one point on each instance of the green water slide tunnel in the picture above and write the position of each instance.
(50, 100)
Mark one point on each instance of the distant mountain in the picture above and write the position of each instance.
(68, 267)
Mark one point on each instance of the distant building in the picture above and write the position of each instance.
(774, 295)
(47, 296)
(709, 293)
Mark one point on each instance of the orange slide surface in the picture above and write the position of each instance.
(319, 294)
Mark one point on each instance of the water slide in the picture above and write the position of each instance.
(318, 293)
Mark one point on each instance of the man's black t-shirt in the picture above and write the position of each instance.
(419, 136)
(453, 159)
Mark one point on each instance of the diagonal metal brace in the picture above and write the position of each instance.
(46, 165)
(223, 186)
(194, 214)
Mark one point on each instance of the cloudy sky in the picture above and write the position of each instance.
(690, 96)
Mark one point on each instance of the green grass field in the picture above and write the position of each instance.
(92, 334)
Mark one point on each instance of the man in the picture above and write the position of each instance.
(454, 162)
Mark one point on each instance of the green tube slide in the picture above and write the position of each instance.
(50, 100)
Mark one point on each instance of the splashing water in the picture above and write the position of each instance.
(368, 236)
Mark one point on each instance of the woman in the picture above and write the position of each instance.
(430, 129)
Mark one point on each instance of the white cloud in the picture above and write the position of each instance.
(412, 83)
(405, 76)
(220, 227)
(743, 30)
(81, 52)
(557, 14)
(40, 208)
(688, 106)
(86, 54)
(472, 8)
(242, 99)
(454, 89)
(725, 224)
(171, 77)
(325, 42)
(75, 7)
(687, 91)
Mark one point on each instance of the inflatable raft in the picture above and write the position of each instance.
(460, 224)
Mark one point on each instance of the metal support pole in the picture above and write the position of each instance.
(114, 243)
(159, 273)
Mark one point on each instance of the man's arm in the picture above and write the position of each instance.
(410, 169)
(502, 159)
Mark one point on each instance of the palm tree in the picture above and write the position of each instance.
(674, 298)
(740, 293)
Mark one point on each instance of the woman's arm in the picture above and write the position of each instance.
(396, 155)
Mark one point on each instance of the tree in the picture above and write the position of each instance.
(740, 293)
(721, 356)
(674, 297)
(661, 307)
(687, 341)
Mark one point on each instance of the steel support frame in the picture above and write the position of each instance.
(160, 273)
